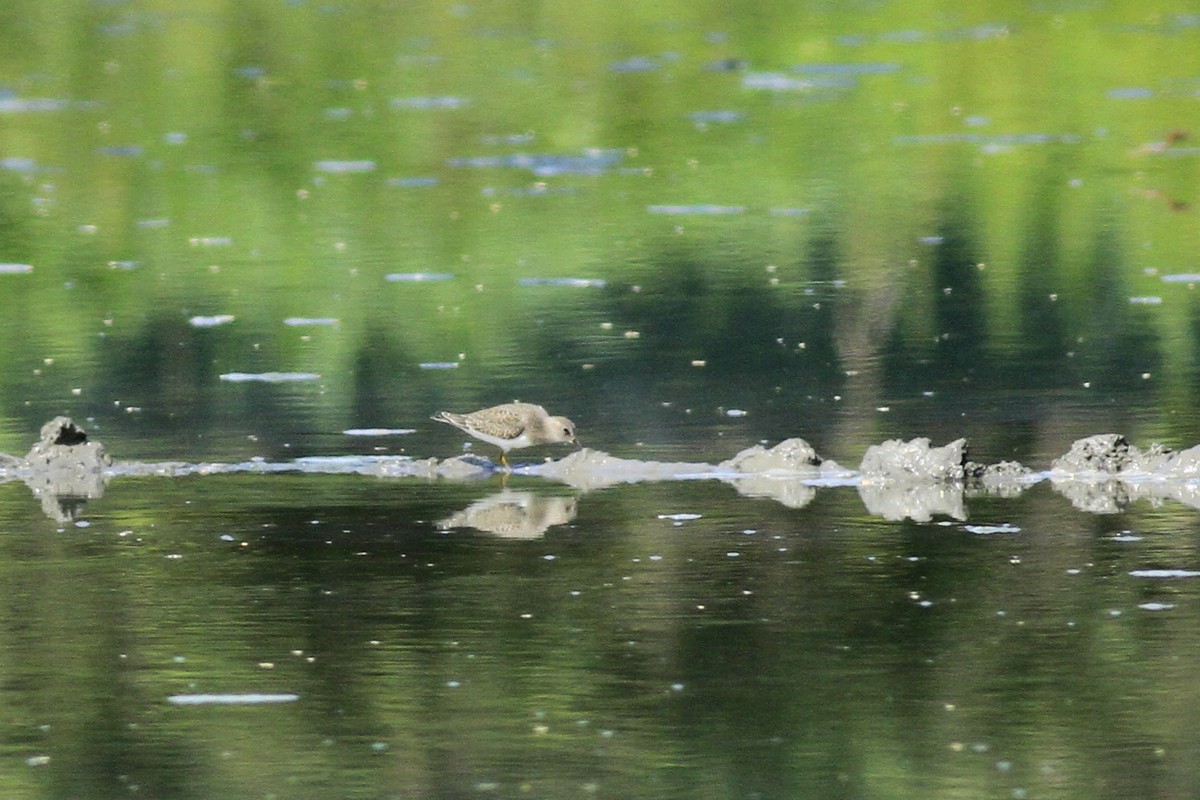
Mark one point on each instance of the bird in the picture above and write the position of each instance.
(512, 426)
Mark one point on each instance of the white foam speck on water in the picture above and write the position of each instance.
(298, 322)
(1148, 300)
(417, 277)
(336, 166)
(736, 412)
(210, 241)
(15, 269)
(210, 321)
(438, 365)
(680, 517)
(230, 699)
(1126, 537)
(1165, 573)
(1181, 277)
(580, 283)
(1156, 606)
(378, 431)
(985, 530)
(268, 377)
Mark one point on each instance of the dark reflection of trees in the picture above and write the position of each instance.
(711, 308)
(959, 315)
(381, 368)
(1043, 339)
(167, 367)
(1123, 340)
(171, 370)
(959, 302)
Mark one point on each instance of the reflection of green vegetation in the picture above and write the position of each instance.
(213, 124)
(954, 236)
(647, 658)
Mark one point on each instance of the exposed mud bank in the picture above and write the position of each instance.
(896, 479)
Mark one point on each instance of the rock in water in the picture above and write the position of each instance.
(65, 469)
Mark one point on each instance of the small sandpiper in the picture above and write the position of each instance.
(512, 426)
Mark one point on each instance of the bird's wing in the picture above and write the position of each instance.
(501, 424)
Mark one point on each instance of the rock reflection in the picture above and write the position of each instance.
(1101, 474)
(63, 469)
(514, 515)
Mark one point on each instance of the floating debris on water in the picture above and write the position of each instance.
(417, 277)
(211, 321)
(581, 283)
(230, 699)
(1156, 606)
(268, 377)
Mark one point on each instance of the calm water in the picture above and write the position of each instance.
(690, 228)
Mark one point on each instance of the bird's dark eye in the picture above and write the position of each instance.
(567, 432)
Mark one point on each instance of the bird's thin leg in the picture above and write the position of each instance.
(504, 460)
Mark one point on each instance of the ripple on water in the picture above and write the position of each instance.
(211, 321)
(346, 166)
(230, 699)
(300, 322)
(418, 277)
(268, 377)
(700, 209)
(15, 269)
(1165, 573)
(580, 283)
(445, 102)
